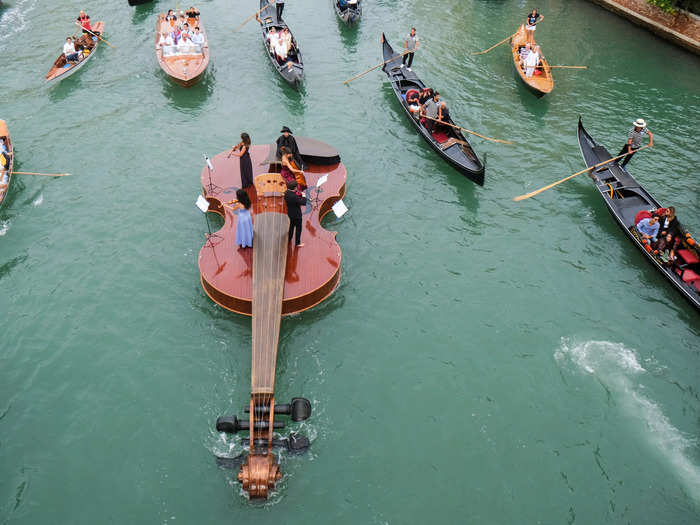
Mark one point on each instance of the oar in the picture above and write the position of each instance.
(36, 173)
(378, 65)
(566, 67)
(533, 193)
(98, 36)
(470, 131)
(252, 16)
(492, 47)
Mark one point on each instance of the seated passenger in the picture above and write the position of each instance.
(343, 4)
(413, 102)
(69, 50)
(4, 170)
(181, 21)
(170, 17)
(668, 222)
(177, 36)
(185, 42)
(192, 13)
(444, 115)
(272, 38)
(425, 95)
(3, 145)
(524, 52)
(667, 247)
(197, 37)
(649, 228)
(431, 110)
(531, 61)
(286, 38)
(186, 30)
(281, 51)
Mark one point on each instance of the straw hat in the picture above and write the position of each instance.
(639, 123)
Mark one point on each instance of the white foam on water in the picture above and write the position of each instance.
(4, 226)
(617, 366)
(14, 18)
(38, 200)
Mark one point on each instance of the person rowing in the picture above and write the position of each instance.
(634, 140)
(531, 21)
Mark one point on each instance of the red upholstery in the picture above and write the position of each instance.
(423, 121)
(688, 256)
(411, 92)
(690, 276)
(697, 285)
(644, 214)
(440, 136)
(660, 212)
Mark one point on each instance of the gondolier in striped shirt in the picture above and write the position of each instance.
(634, 140)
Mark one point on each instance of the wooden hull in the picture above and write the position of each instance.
(293, 70)
(59, 73)
(459, 155)
(540, 85)
(185, 70)
(5, 133)
(351, 15)
(624, 198)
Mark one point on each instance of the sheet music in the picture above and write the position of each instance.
(339, 208)
(202, 204)
(321, 180)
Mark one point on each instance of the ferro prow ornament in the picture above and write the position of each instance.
(269, 281)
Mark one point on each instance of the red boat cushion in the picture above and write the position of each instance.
(688, 256)
(423, 121)
(690, 276)
(440, 136)
(411, 92)
(538, 72)
(660, 212)
(644, 214)
(697, 285)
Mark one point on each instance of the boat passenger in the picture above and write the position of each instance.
(69, 50)
(185, 42)
(281, 52)
(524, 52)
(667, 248)
(668, 222)
(634, 140)
(443, 115)
(170, 17)
(425, 94)
(286, 38)
(181, 20)
(192, 13)
(287, 140)
(343, 4)
(177, 35)
(649, 228)
(84, 21)
(165, 40)
(431, 110)
(197, 37)
(531, 61)
(411, 45)
(413, 101)
(531, 21)
(272, 38)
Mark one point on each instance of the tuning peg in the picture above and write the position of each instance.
(299, 409)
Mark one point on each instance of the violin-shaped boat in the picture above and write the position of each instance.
(6, 174)
(447, 141)
(268, 281)
(629, 202)
(350, 13)
(292, 68)
(183, 63)
(88, 45)
(540, 84)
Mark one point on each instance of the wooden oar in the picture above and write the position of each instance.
(252, 16)
(36, 173)
(533, 193)
(378, 65)
(493, 47)
(565, 67)
(98, 36)
(470, 131)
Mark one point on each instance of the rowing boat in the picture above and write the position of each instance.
(539, 84)
(185, 64)
(351, 13)
(628, 202)
(292, 69)
(447, 141)
(62, 69)
(5, 184)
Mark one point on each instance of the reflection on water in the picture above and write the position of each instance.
(191, 98)
(143, 12)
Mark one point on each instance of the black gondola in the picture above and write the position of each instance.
(292, 70)
(625, 199)
(351, 13)
(139, 2)
(450, 143)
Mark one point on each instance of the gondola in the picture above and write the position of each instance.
(5, 186)
(628, 202)
(448, 142)
(351, 13)
(540, 85)
(139, 2)
(292, 70)
(62, 69)
(186, 65)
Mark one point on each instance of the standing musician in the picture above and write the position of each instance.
(531, 21)
(287, 140)
(294, 200)
(246, 165)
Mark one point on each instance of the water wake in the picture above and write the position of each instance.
(616, 366)
(4, 226)
(14, 19)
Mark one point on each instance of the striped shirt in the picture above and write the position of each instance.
(636, 137)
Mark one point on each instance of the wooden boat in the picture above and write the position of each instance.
(625, 199)
(292, 70)
(448, 142)
(62, 69)
(186, 65)
(351, 14)
(5, 186)
(539, 84)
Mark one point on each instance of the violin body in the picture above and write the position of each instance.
(299, 177)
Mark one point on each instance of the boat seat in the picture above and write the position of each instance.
(689, 276)
(440, 136)
(688, 256)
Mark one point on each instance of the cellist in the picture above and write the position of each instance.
(290, 171)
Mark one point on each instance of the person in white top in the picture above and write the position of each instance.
(286, 38)
(185, 41)
(272, 38)
(281, 51)
(197, 37)
(524, 52)
(69, 50)
(531, 61)
(165, 40)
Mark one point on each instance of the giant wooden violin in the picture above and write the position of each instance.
(268, 281)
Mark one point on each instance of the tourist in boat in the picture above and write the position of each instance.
(443, 116)
(186, 30)
(4, 167)
(192, 13)
(242, 151)
(287, 140)
(413, 101)
(634, 140)
(649, 228)
(170, 16)
(411, 44)
(343, 4)
(244, 224)
(524, 52)
(668, 222)
(185, 43)
(295, 200)
(181, 21)
(197, 37)
(431, 110)
(281, 52)
(285, 38)
(176, 34)
(289, 169)
(531, 22)
(425, 95)
(165, 40)
(667, 248)
(69, 51)
(531, 61)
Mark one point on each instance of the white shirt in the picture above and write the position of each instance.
(68, 48)
(197, 38)
(532, 59)
(273, 38)
(281, 49)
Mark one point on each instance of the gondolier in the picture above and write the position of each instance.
(280, 7)
(531, 21)
(411, 44)
(634, 140)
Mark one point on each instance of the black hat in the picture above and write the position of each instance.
(285, 128)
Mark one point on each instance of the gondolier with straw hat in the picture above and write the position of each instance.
(634, 140)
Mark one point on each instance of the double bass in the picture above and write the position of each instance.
(269, 281)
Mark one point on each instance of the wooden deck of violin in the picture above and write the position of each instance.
(313, 271)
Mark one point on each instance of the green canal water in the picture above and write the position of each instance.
(482, 361)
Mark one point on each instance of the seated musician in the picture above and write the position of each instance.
(69, 51)
(192, 13)
(289, 171)
(197, 37)
(649, 228)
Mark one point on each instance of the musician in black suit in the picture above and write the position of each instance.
(295, 200)
(286, 140)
